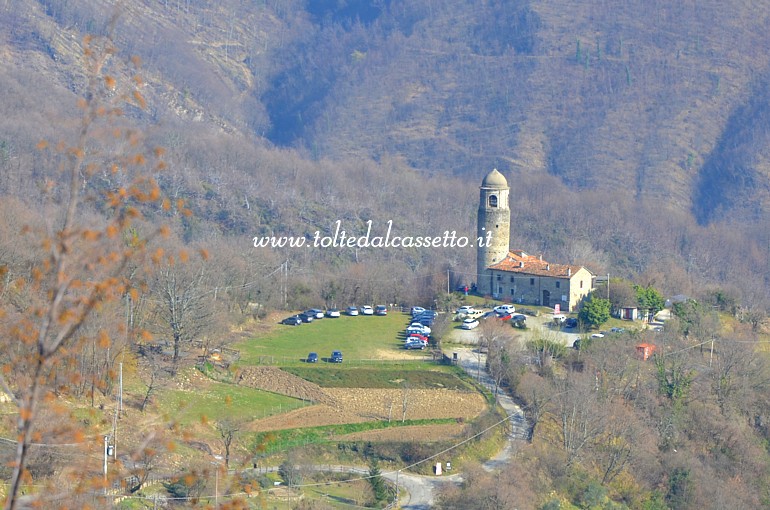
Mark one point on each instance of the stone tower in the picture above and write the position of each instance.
(494, 216)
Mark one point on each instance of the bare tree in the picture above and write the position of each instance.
(83, 257)
(183, 310)
(228, 430)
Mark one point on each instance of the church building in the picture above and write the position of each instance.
(515, 275)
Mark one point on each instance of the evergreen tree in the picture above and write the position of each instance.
(375, 479)
(595, 311)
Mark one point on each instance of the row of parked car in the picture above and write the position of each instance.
(333, 313)
(417, 334)
(501, 312)
(336, 357)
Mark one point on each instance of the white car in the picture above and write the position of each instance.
(367, 310)
(332, 312)
(504, 309)
(416, 325)
(466, 310)
(351, 310)
(417, 310)
(597, 335)
(469, 323)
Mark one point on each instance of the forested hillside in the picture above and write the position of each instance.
(634, 135)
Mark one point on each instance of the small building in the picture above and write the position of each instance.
(644, 351)
(628, 313)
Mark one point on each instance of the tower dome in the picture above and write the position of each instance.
(494, 179)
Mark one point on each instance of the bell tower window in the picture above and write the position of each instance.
(492, 200)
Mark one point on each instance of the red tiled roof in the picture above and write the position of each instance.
(518, 261)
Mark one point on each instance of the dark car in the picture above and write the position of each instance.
(316, 313)
(306, 317)
(336, 357)
(380, 310)
(571, 322)
(426, 321)
(312, 357)
(294, 320)
(414, 344)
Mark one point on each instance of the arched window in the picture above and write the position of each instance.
(492, 200)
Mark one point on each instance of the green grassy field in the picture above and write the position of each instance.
(220, 399)
(357, 338)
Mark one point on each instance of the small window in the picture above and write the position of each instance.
(499, 290)
(531, 281)
(511, 279)
(513, 292)
(558, 285)
(499, 278)
(581, 284)
(492, 200)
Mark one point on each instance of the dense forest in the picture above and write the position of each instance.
(634, 137)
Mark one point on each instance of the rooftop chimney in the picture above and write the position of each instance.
(521, 263)
(569, 271)
(548, 267)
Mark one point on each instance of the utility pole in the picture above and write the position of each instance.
(608, 286)
(106, 453)
(120, 388)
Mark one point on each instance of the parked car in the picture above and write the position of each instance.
(571, 322)
(429, 313)
(312, 357)
(466, 310)
(469, 323)
(294, 320)
(336, 357)
(504, 316)
(617, 330)
(425, 330)
(306, 317)
(380, 310)
(366, 310)
(508, 309)
(316, 313)
(333, 313)
(417, 310)
(414, 344)
(426, 321)
(598, 335)
(518, 317)
(416, 336)
(352, 310)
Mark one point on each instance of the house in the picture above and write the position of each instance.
(528, 279)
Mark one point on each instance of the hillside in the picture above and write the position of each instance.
(147, 146)
(623, 129)
(648, 100)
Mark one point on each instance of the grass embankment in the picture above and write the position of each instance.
(220, 399)
(424, 376)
